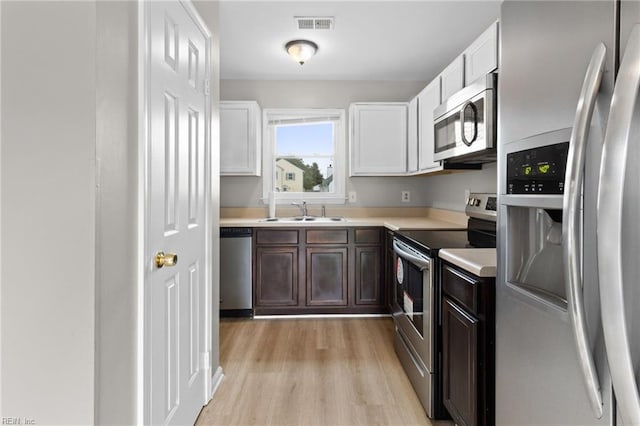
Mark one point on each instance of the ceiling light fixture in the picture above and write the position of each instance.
(301, 50)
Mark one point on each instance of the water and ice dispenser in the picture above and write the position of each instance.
(532, 206)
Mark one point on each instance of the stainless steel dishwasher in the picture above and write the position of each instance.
(235, 272)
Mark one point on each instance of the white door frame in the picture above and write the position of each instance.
(142, 379)
(0, 207)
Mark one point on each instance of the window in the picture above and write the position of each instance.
(304, 155)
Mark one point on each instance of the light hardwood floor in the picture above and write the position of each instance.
(312, 372)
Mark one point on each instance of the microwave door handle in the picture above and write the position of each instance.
(609, 231)
(422, 264)
(571, 224)
(466, 141)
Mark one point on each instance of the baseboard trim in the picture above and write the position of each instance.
(316, 316)
(216, 380)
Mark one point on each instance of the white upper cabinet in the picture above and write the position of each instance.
(378, 139)
(240, 138)
(428, 100)
(452, 77)
(481, 57)
(412, 137)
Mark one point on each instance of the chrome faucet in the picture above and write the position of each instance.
(302, 207)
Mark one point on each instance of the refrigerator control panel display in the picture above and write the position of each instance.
(538, 170)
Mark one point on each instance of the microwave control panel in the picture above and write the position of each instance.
(538, 170)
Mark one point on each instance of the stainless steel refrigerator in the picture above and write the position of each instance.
(568, 284)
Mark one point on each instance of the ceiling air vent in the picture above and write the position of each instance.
(314, 22)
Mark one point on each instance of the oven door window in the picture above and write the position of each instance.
(409, 292)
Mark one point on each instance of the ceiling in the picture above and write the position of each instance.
(371, 40)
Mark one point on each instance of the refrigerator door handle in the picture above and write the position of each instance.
(609, 231)
(571, 224)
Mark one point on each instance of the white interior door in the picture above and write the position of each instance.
(175, 357)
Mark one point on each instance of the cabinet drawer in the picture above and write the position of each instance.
(327, 236)
(271, 236)
(461, 288)
(367, 236)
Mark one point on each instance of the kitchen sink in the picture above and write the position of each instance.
(298, 219)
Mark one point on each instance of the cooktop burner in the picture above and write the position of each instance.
(479, 234)
(430, 241)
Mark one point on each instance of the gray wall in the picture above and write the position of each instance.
(68, 193)
(48, 211)
(445, 191)
(117, 268)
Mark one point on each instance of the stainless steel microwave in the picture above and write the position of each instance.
(465, 124)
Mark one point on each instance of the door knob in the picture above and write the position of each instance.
(168, 259)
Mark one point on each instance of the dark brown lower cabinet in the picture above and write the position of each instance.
(327, 276)
(318, 270)
(460, 362)
(276, 276)
(368, 276)
(390, 271)
(468, 340)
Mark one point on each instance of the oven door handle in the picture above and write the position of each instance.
(422, 264)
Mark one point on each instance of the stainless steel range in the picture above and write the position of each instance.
(417, 296)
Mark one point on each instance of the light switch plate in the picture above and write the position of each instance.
(352, 196)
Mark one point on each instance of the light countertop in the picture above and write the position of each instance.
(392, 223)
(480, 262)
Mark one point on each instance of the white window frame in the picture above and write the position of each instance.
(339, 160)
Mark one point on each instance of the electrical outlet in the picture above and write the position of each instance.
(406, 196)
(352, 197)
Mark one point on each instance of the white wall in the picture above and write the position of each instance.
(48, 211)
(446, 191)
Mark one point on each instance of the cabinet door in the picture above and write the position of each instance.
(481, 57)
(412, 136)
(452, 77)
(428, 99)
(378, 143)
(277, 276)
(460, 363)
(368, 276)
(390, 271)
(326, 276)
(240, 136)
